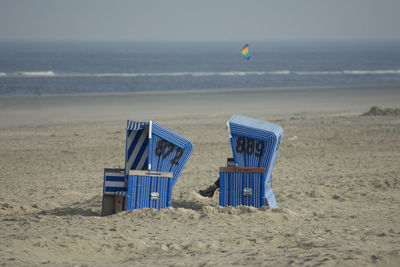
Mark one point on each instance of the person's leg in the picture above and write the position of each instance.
(217, 183)
(209, 191)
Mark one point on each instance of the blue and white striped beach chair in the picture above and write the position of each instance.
(152, 147)
(154, 159)
(256, 143)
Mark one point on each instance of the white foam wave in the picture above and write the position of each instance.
(373, 72)
(318, 72)
(50, 73)
(279, 72)
(37, 73)
(350, 72)
(175, 74)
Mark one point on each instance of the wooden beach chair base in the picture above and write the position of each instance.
(244, 186)
(114, 191)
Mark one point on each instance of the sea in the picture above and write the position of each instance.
(76, 67)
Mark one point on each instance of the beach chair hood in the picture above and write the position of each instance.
(150, 146)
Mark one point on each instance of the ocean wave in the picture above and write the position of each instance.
(50, 73)
(37, 73)
(349, 72)
(176, 74)
(318, 72)
(279, 72)
(371, 72)
(139, 74)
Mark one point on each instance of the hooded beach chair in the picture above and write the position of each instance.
(154, 159)
(255, 144)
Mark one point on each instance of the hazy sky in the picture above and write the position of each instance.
(199, 20)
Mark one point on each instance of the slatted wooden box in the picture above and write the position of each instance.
(149, 189)
(242, 186)
(114, 191)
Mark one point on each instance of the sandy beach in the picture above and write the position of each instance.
(336, 180)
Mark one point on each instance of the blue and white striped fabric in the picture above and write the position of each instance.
(256, 143)
(136, 125)
(137, 146)
(241, 187)
(148, 190)
(114, 181)
(120, 193)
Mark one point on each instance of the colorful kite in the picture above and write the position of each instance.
(245, 52)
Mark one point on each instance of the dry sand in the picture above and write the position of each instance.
(337, 182)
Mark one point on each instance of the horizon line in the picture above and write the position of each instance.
(196, 41)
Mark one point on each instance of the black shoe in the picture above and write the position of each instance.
(209, 192)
